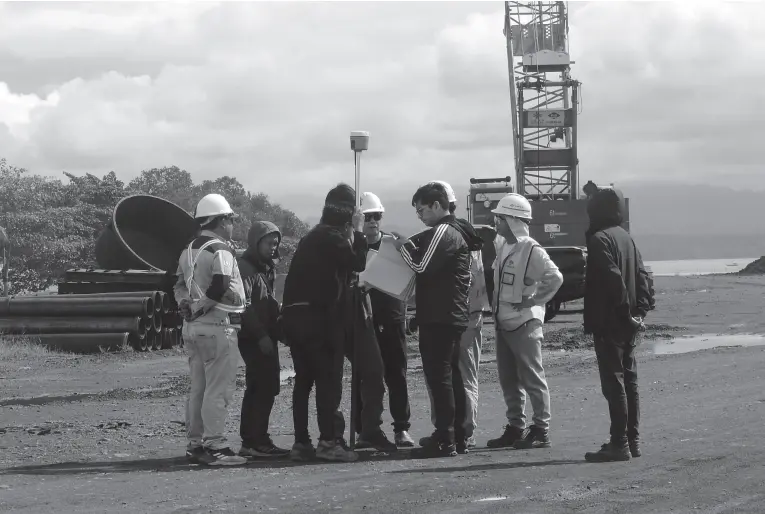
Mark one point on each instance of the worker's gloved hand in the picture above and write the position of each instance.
(184, 307)
(266, 345)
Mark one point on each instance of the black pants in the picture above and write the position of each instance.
(262, 387)
(391, 337)
(619, 382)
(317, 353)
(440, 350)
(371, 375)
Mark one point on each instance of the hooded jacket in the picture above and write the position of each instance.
(261, 315)
(616, 286)
(441, 258)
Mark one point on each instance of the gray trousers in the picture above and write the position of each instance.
(213, 358)
(519, 362)
(470, 359)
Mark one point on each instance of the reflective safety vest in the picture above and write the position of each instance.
(510, 280)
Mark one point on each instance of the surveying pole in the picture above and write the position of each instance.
(359, 143)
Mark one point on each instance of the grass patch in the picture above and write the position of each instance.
(23, 348)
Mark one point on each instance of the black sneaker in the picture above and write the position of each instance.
(635, 448)
(195, 455)
(378, 441)
(343, 443)
(609, 452)
(432, 448)
(223, 457)
(507, 439)
(462, 447)
(535, 437)
(268, 449)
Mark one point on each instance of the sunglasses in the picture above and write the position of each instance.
(377, 216)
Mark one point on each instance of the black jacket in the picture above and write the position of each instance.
(261, 316)
(441, 258)
(616, 286)
(322, 266)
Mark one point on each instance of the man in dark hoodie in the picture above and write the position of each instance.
(258, 338)
(315, 319)
(441, 258)
(617, 299)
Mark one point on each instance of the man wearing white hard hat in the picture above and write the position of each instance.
(525, 279)
(211, 297)
(472, 338)
(389, 317)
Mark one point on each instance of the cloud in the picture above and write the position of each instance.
(268, 92)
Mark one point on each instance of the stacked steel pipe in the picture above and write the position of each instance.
(162, 327)
(129, 301)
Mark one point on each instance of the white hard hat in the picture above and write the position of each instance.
(212, 205)
(450, 196)
(370, 202)
(514, 204)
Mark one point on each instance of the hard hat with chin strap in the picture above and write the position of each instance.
(212, 205)
(370, 203)
(515, 205)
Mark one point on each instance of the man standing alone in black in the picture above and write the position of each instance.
(617, 299)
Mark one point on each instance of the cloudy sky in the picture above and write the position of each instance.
(268, 92)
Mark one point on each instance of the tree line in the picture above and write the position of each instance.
(53, 225)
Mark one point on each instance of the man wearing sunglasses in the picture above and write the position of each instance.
(389, 317)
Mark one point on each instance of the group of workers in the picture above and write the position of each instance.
(328, 314)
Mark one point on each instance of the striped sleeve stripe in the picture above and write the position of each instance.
(428, 255)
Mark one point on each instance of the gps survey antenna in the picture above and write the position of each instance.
(359, 143)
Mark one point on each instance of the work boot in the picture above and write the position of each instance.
(433, 448)
(378, 441)
(535, 437)
(507, 439)
(333, 452)
(302, 452)
(403, 439)
(635, 448)
(609, 452)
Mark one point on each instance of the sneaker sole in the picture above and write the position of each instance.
(229, 463)
(409, 444)
(257, 455)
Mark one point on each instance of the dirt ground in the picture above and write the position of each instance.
(105, 433)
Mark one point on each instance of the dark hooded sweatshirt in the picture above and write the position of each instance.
(441, 259)
(616, 286)
(260, 318)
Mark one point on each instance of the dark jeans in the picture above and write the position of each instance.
(440, 350)
(619, 382)
(371, 376)
(262, 387)
(316, 348)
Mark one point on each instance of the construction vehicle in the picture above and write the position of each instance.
(544, 101)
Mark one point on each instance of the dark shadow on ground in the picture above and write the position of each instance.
(174, 464)
(490, 467)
